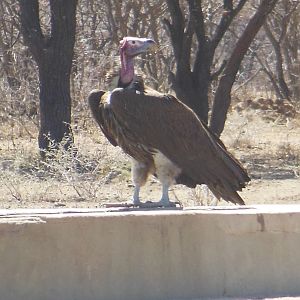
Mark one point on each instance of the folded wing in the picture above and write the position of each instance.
(161, 122)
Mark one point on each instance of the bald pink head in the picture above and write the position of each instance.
(129, 48)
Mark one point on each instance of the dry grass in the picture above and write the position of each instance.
(26, 179)
(100, 173)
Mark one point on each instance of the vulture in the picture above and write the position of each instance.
(162, 135)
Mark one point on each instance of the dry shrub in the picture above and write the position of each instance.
(68, 176)
(202, 196)
(288, 152)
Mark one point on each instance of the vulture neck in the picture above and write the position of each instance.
(127, 69)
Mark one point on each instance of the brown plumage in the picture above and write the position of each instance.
(166, 138)
(142, 123)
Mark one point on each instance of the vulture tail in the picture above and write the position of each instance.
(227, 193)
(234, 179)
(239, 176)
(233, 176)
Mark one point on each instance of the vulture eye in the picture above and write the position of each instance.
(133, 42)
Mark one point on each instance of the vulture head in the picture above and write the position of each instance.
(129, 48)
(133, 46)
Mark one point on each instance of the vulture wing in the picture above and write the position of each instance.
(99, 107)
(162, 122)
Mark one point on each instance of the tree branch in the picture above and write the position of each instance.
(196, 13)
(219, 71)
(222, 97)
(187, 43)
(225, 22)
(63, 21)
(30, 26)
(181, 36)
(279, 61)
(266, 69)
(203, 54)
(176, 28)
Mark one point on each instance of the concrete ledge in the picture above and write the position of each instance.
(157, 254)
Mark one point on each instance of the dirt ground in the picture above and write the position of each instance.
(269, 148)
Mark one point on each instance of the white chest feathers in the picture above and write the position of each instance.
(166, 170)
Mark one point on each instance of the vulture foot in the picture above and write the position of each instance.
(148, 204)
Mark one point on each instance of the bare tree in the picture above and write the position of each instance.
(208, 38)
(290, 49)
(194, 74)
(9, 35)
(282, 65)
(223, 94)
(52, 49)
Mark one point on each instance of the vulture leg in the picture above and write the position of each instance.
(140, 172)
(166, 173)
(136, 195)
(165, 200)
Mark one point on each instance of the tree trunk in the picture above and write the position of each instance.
(223, 98)
(190, 83)
(53, 55)
(55, 108)
(279, 62)
(192, 91)
(192, 78)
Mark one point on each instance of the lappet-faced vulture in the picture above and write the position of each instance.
(163, 136)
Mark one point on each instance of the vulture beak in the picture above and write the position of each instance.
(133, 46)
(149, 45)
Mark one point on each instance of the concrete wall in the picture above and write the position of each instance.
(81, 255)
